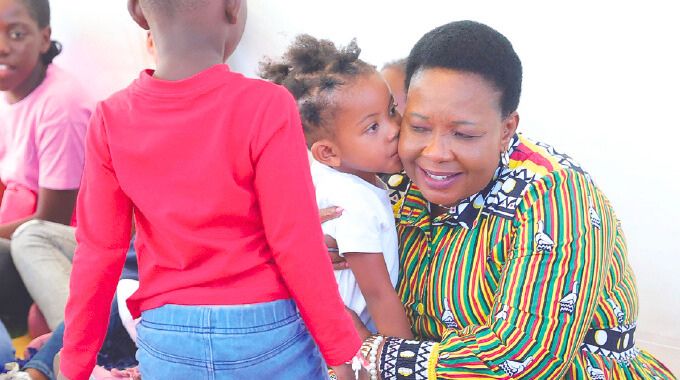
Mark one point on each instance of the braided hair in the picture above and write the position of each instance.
(40, 12)
(313, 70)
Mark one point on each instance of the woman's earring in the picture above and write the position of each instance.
(505, 158)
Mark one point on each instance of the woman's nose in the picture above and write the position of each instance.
(4, 45)
(437, 149)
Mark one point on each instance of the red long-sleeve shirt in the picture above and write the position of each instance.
(216, 171)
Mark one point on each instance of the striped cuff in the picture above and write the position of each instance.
(406, 359)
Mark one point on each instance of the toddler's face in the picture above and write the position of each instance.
(366, 128)
(21, 44)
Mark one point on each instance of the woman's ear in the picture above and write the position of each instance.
(45, 39)
(326, 152)
(135, 10)
(233, 10)
(510, 124)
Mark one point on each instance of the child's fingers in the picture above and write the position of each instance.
(329, 213)
(339, 262)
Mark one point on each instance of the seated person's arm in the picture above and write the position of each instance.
(382, 300)
(53, 205)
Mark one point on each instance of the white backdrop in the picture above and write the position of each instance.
(601, 83)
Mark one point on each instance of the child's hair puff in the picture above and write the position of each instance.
(312, 70)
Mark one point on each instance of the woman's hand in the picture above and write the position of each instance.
(326, 214)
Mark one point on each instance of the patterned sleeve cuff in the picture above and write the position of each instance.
(408, 359)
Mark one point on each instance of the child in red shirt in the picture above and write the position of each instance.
(215, 169)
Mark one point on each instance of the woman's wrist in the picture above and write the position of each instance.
(366, 363)
(406, 359)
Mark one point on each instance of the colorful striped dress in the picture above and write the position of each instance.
(527, 279)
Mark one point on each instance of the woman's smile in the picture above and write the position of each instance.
(438, 180)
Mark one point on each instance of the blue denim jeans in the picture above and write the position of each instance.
(259, 341)
(6, 349)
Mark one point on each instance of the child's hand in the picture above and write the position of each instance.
(329, 213)
(129, 373)
(343, 372)
(339, 262)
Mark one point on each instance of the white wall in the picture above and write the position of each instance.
(601, 83)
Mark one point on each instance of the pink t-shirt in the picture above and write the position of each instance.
(42, 142)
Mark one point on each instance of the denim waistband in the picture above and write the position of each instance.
(221, 318)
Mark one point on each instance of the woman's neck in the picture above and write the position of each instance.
(34, 79)
(437, 210)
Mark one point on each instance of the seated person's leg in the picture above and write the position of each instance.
(43, 359)
(43, 252)
(14, 298)
(118, 350)
(6, 349)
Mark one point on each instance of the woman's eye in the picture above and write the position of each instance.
(418, 129)
(463, 135)
(16, 35)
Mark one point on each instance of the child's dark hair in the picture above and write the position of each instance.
(40, 12)
(312, 70)
(472, 47)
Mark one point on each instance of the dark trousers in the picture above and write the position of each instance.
(14, 298)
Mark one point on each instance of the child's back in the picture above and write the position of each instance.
(215, 169)
(204, 162)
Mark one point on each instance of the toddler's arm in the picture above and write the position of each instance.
(382, 300)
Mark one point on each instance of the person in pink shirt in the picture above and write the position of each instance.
(43, 119)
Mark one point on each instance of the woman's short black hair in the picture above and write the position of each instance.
(40, 12)
(472, 47)
(313, 70)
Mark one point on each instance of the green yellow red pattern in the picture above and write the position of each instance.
(511, 285)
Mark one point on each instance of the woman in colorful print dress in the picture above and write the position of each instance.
(513, 262)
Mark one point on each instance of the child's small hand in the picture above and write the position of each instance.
(330, 213)
(129, 373)
(343, 372)
(339, 262)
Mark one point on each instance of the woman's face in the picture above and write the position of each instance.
(21, 44)
(452, 134)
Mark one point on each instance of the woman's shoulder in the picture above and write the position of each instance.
(531, 165)
(62, 92)
(531, 160)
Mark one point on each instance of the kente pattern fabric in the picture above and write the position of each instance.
(511, 281)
